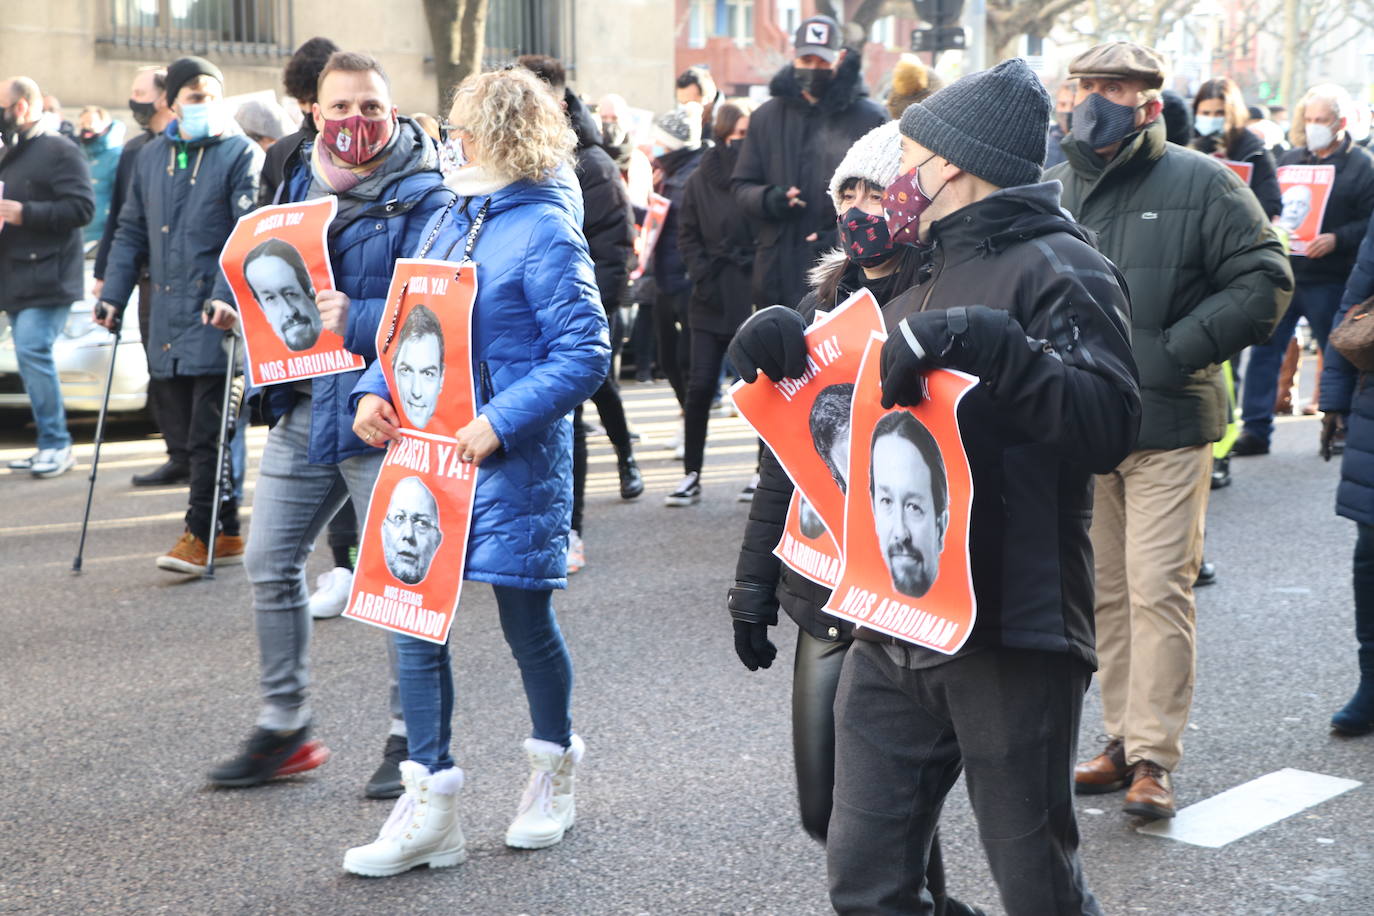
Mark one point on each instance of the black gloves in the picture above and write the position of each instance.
(966, 338)
(778, 206)
(753, 646)
(1333, 424)
(774, 340)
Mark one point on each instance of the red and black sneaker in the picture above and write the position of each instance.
(268, 754)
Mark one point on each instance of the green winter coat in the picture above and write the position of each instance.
(1207, 275)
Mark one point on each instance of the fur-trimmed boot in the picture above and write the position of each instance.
(423, 828)
(547, 809)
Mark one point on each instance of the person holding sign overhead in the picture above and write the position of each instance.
(386, 182)
(539, 348)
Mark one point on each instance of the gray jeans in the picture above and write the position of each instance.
(1008, 719)
(293, 503)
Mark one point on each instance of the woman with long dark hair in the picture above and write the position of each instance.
(1219, 119)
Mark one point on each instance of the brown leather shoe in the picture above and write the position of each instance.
(1107, 772)
(1152, 793)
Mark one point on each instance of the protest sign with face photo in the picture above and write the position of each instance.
(414, 543)
(424, 341)
(1306, 190)
(805, 421)
(647, 239)
(807, 546)
(906, 568)
(277, 262)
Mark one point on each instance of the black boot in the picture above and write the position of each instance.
(631, 482)
(1357, 716)
(1221, 472)
(386, 782)
(168, 474)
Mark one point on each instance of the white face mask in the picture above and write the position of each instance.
(1319, 136)
(1209, 126)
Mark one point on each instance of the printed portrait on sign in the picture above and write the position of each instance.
(280, 282)
(410, 531)
(1297, 203)
(910, 494)
(418, 365)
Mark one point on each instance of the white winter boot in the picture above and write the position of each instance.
(423, 828)
(547, 809)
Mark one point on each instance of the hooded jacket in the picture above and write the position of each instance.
(185, 198)
(102, 153)
(539, 348)
(1345, 389)
(41, 259)
(1207, 275)
(717, 241)
(1347, 210)
(1250, 148)
(364, 243)
(1064, 405)
(609, 221)
(792, 142)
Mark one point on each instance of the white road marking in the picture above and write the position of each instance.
(1251, 806)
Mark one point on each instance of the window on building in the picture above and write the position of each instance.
(884, 32)
(735, 20)
(789, 15)
(254, 27)
(516, 27)
(697, 15)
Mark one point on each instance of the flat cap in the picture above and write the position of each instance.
(1123, 60)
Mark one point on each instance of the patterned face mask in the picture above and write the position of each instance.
(904, 201)
(865, 237)
(357, 139)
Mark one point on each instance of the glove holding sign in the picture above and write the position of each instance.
(968, 338)
(772, 340)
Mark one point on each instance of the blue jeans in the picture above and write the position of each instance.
(1315, 302)
(35, 331)
(531, 631)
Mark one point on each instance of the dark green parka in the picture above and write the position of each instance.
(1207, 275)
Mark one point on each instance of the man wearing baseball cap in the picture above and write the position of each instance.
(1017, 296)
(1207, 278)
(797, 138)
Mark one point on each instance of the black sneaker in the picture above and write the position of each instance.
(746, 495)
(688, 493)
(1221, 473)
(1249, 444)
(631, 482)
(386, 782)
(168, 474)
(1206, 575)
(262, 757)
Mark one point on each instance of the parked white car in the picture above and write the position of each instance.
(83, 352)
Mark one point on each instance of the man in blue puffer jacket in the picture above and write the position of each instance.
(385, 176)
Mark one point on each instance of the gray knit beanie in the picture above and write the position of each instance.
(991, 124)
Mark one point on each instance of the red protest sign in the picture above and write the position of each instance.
(906, 569)
(805, 421)
(650, 231)
(415, 541)
(424, 341)
(807, 546)
(1306, 190)
(1243, 170)
(277, 261)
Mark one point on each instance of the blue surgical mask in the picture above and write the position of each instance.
(199, 121)
(1209, 126)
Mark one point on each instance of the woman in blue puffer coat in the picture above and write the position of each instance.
(540, 348)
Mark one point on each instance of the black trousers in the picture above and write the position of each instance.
(670, 329)
(1009, 720)
(612, 411)
(193, 403)
(707, 354)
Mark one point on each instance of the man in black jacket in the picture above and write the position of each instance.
(1017, 296)
(148, 103)
(299, 79)
(47, 199)
(796, 140)
(1320, 276)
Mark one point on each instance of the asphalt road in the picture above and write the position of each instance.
(120, 688)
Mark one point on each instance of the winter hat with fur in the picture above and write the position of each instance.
(990, 124)
(679, 128)
(912, 81)
(876, 158)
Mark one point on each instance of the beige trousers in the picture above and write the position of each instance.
(1148, 518)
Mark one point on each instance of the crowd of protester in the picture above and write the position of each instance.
(1138, 240)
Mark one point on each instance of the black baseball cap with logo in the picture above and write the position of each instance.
(819, 35)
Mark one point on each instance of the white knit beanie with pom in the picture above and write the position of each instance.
(875, 158)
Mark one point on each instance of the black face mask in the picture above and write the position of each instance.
(143, 112)
(812, 81)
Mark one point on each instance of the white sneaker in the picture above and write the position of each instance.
(423, 828)
(52, 462)
(577, 553)
(547, 809)
(688, 492)
(23, 464)
(331, 593)
(747, 494)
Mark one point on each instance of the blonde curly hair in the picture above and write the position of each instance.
(515, 123)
